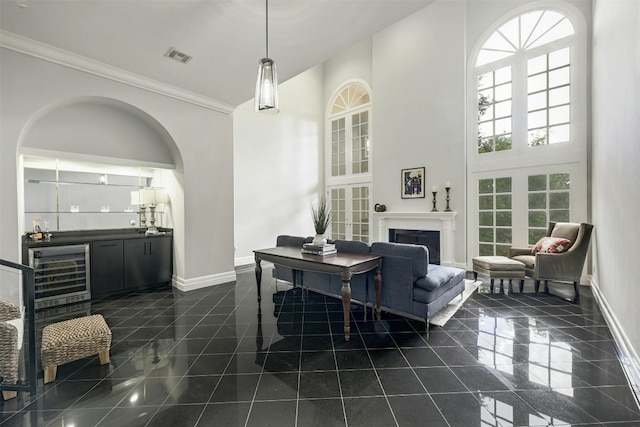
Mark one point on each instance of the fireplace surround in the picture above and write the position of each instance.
(428, 238)
(443, 222)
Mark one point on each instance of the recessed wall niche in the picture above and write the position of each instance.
(76, 196)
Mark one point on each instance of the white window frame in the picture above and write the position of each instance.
(522, 160)
(349, 180)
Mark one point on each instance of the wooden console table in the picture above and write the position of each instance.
(342, 264)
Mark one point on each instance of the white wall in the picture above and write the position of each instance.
(418, 109)
(278, 167)
(203, 220)
(616, 156)
(352, 63)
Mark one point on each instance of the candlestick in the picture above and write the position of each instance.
(435, 209)
(447, 209)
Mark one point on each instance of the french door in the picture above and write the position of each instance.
(350, 212)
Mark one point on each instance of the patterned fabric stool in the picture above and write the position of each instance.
(74, 339)
(499, 267)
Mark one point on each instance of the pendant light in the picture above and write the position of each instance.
(266, 99)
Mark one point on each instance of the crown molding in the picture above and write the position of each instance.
(68, 59)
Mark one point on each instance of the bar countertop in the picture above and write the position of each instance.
(85, 236)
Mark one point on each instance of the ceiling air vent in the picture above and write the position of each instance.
(177, 55)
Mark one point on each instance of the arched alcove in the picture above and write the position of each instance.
(100, 134)
(100, 128)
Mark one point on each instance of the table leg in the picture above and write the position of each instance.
(378, 282)
(346, 302)
(258, 276)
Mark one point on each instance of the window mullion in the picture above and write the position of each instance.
(520, 104)
(348, 146)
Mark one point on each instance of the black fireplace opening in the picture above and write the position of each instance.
(428, 238)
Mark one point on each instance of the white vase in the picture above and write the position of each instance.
(319, 240)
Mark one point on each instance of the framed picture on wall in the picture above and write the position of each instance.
(412, 183)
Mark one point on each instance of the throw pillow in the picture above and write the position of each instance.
(551, 245)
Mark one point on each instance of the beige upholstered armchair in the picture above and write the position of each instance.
(10, 345)
(555, 258)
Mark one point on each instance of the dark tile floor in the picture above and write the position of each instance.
(214, 357)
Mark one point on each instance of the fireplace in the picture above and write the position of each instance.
(428, 238)
(441, 222)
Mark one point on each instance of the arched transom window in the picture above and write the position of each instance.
(524, 32)
(523, 83)
(352, 96)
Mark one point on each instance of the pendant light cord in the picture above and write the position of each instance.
(267, 26)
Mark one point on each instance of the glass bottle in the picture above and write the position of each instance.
(37, 231)
(47, 233)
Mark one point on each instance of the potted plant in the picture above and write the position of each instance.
(321, 215)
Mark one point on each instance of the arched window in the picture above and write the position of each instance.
(348, 161)
(523, 82)
(527, 141)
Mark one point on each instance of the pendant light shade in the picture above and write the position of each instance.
(266, 99)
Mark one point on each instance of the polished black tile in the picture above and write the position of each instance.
(282, 361)
(509, 409)
(213, 345)
(477, 378)
(400, 381)
(317, 361)
(416, 410)
(319, 384)
(210, 357)
(368, 411)
(463, 409)
(602, 407)
(456, 356)
(192, 390)
(174, 415)
(208, 364)
(135, 417)
(360, 382)
(81, 417)
(277, 386)
(387, 358)
(279, 413)
(320, 413)
(555, 405)
(353, 359)
(316, 342)
(235, 388)
(225, 414)
(440, 380)
(245, 363)
(422, 357)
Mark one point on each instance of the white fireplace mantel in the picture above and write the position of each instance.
(444, 222)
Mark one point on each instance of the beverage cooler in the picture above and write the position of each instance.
(62, 274)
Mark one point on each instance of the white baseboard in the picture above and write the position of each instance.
(461, 265)
(628, 356)
(186, 285)
(241, 261)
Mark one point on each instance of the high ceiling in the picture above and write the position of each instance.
(226, 38)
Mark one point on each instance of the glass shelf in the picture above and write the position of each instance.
(71, 200)
(87, 212)
(46, 181)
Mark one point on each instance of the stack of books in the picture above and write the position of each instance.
(326, 249)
